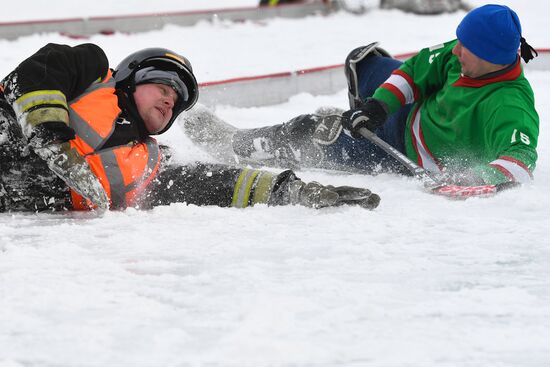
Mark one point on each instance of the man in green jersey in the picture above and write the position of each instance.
(462, 110)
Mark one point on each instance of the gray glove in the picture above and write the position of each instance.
(73, 169)
(315, 195)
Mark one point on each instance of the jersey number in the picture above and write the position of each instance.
(524, 138)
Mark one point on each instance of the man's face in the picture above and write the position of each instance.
(473, 66)
(154, 103)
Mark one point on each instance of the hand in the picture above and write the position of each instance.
(50, 132)
(371, 115)
(72, 168)
(348, 195)
(317, 196)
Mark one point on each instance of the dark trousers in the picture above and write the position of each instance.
(361, 154)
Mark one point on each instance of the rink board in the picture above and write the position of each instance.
(262, 90)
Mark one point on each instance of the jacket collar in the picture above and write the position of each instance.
(509, 73)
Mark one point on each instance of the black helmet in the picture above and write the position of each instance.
(154, 60)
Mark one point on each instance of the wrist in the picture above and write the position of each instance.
(50, 132)
(378, 106)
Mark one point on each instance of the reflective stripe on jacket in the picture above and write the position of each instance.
(124, 171)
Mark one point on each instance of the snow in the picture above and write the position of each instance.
(420, 281)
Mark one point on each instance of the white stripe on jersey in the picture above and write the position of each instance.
(403, 85)
(518, 172)
(427, 160)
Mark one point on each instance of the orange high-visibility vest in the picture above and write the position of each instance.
(124, 171)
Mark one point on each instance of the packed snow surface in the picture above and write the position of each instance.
(420, 281)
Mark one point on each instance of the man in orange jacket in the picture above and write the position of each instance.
(75, 134)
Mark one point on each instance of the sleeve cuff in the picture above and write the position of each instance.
(46, 114)
(41, 106)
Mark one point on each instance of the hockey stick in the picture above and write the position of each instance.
(431, 183)
(417, 171)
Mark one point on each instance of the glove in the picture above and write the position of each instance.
(51, 132)
(315, 195)
(287, 189)
(73, 169)
(50, 141)
(371, 115)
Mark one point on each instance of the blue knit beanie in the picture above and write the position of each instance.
(492, 33)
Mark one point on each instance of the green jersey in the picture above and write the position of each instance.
(487, 126)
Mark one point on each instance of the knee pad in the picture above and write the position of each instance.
(350, 69)
(284, 145)
(321, 128)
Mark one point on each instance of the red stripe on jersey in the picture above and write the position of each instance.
(513, 74)
(518, 162)
(396, 91)
(423, 142)
(409, 80)
(504, 171)
(413, 137)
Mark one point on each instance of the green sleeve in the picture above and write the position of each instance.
(512, 138)
(424, 74)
